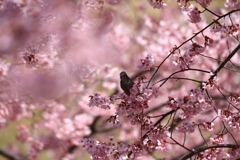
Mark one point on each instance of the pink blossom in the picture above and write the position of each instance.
(208, 41)
(148, 93)
(206, 126)
(114, 121)
(217, 139)
(59, 79)
(217, 27)
(187, 59)
(131, 107)
(101, 102)
(235, 152)
(232, 4)
(3, 68)
(147, 124)
(196, 49)
(161, 145)
(160, 132)
(102, 150)
(235, 98)
(148, 144)
(23, 133)
(157, 3)
(3, 115)
(232, 29)
(134, 91)
(193, 13)
(187, 127)
(192, 104)
(146, 63)
(136, 149)
(211, 84)
(232, 118)
(35, 147)
(172, 103)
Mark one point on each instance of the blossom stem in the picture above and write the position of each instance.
(225, 61)
(211, 12)
(209, 147)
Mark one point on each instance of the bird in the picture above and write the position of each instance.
(126, 83)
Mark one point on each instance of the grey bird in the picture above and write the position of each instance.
(126, 83)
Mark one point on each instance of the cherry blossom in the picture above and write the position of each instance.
(98, 101)
(206, 126)
(61, 96)
(193, 13)
(186, 127)
(23, 133)
(160, 132)
(102, 150)
(232, 4)
(157, 3)
(146, 63)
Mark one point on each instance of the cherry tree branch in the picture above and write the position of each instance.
(209, 147)
(190, 39)
(9, 155)
(211, 12)
(184, 70)
(225, 61)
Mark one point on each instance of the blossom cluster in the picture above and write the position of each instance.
(146, 63)
(160, 133)
(224, 28)
(219, 152)
(187, 59)
(210, 84)
(193, 13)
(157, 3)
(24, 135)
(131, 106)
(66, 129)
(235, 98)
(232, 118)
(232, 4)
(206, 126)
(187, 127)
(192, 104)
(105, 151)
(98, 101)
(13, 111)
(59, 79)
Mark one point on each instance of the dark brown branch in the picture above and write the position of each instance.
(209, 147)
(9, 156)
(182, 145)
(184, 70)
(225, 61)
(211, 12)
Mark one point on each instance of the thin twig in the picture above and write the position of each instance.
(209, 147)
(225, 61)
